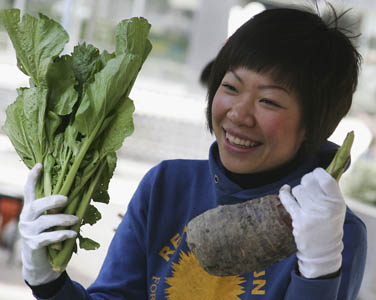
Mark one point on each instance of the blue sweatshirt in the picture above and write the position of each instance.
(149, 258)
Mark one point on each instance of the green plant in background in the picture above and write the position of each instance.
(75, 115)
(360, 183)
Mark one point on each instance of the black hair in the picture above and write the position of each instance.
(205, 73)
(313, 58)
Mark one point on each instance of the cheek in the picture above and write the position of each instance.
(274, 124)
(218, 109)
(281, 129)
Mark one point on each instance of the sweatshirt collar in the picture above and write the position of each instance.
(228, 192)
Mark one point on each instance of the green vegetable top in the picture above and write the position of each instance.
(76, 112)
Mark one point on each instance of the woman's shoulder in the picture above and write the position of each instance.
(173, 169)
(179, 165)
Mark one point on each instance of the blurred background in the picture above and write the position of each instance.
(170, 110)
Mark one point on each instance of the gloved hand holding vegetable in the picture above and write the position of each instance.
(317, 209)
(33, 224)
(260, 231)
(72, 118)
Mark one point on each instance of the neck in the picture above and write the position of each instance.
(254, 180)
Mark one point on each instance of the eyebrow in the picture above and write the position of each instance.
(263, 86)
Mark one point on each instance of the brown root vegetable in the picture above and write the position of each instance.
(231, 243)
(241, 238)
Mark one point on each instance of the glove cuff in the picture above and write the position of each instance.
(314, 268)
(38, 271)
(38, 277)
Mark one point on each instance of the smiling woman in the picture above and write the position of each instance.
(277, 89)
(257, 122)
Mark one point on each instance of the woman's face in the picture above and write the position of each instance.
(256, 121)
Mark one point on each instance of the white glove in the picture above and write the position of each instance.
(317, 210)
(36, 269)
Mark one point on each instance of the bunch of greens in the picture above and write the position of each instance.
(75, 114)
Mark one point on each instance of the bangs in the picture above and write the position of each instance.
(281, 51)
(279, 67)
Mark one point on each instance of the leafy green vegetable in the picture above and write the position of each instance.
(75, 114)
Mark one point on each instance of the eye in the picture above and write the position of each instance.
(270, 102)
(229, 87)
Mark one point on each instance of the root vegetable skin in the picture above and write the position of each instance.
(235, 247)
(242, 238)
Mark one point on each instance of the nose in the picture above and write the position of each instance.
(242, 113)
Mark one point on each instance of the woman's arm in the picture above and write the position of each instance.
(123, 274)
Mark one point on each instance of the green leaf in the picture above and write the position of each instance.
(105, 57)
(92, 215)
(59, 153)
(14, 128)
(88, 244)
(102, 96)
(121, 127)
(91, 161)
(71, 139)
(37, 42)
(62, 95)
(86, 62)
(53, 121)
(131, 37)
(35, 102)
(24, 125)
(100, 193)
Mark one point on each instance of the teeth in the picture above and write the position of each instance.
(240, 142)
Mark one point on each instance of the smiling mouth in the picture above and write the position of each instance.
(242, 143)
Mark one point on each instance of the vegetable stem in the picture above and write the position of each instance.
(74, 198)
(70, 210)
(48, 165)
(62, 258)
(341, 158)
(73, 170)
(47, 183)
(63, 173)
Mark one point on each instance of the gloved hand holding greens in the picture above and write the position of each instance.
(76, 113)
